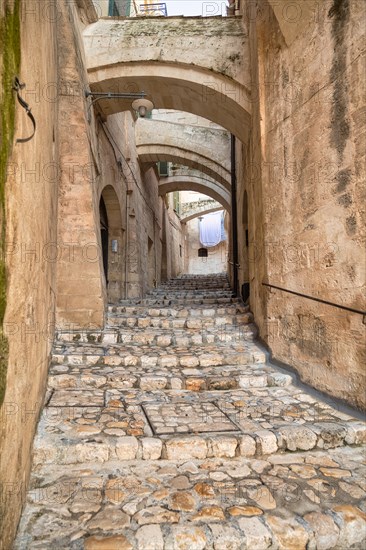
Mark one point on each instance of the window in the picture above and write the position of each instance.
(119, 8)
(202, 253)
(163, 169)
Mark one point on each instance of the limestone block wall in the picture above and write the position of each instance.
(173, 247)
(107, 165)
(81, 294)
(305, 187)
(216, 261)
(139, 258)
(210, 144)
(156, 55)
(182, 117)
(172, 40)
(30, 253)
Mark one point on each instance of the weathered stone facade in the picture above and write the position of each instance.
(304, 178)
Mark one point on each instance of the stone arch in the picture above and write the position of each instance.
(210, 188)
(156, 56)
(196, 91)
(168, 153)
(200, 213)
(200, 147)
(115, 244)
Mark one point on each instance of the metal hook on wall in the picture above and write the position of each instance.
(17, 87)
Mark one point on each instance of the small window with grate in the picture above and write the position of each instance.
(202, 253)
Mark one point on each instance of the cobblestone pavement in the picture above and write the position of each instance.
(170, 430)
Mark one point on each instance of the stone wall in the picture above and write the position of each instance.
(136, 185)
(53, 243)
(104, 161)
(216, 261)
(31, 210)
(304, 186)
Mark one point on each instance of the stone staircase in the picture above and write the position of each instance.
(169, 429)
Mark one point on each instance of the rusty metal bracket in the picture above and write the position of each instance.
(17, 87)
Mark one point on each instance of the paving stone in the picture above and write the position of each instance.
(182, 501)
(356, 434)
(267, 441)
(299, 438)
(109, 519)
(150, 537)
(85, 452)
(208, 514)
(223, 446)
(335, 472)
(247, 511)
(188, 538)
(289, 534)
(303, 470)
(353, 526)
(180, 482)
(247, 446)
(186, 448)
(126, 448)
(226, 537)
(326, 532)
(156, 514)
(257, 535)
(118, 542)
(151, 448)
(204, 490)
(263, 497)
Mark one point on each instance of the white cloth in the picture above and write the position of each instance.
(212, 229)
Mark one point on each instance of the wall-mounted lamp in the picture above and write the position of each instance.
(143, 106)
(139, 104)
(114, 245)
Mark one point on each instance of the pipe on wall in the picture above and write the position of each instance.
(234, 216)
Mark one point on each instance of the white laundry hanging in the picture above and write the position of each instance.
(212, 229)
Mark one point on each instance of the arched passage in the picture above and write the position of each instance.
(200, 147)
(112, 238)
(200, 213)
(167, 153)
(119, 59)
(195, 91)
(201, 185)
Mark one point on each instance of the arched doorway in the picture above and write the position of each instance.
(104, 235)
(112, 234)
(245, 290)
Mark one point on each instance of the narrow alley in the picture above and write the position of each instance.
(169, 429)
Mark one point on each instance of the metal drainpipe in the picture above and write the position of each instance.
(234, 216)
(127, 256)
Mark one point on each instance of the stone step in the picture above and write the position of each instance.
(217, 295)
(160, 378)
(166, 311)
(162, 337)
(195, 322)
(147, 355)
(193, 288)
(295, 501)
(180, 301)
(80, 426)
